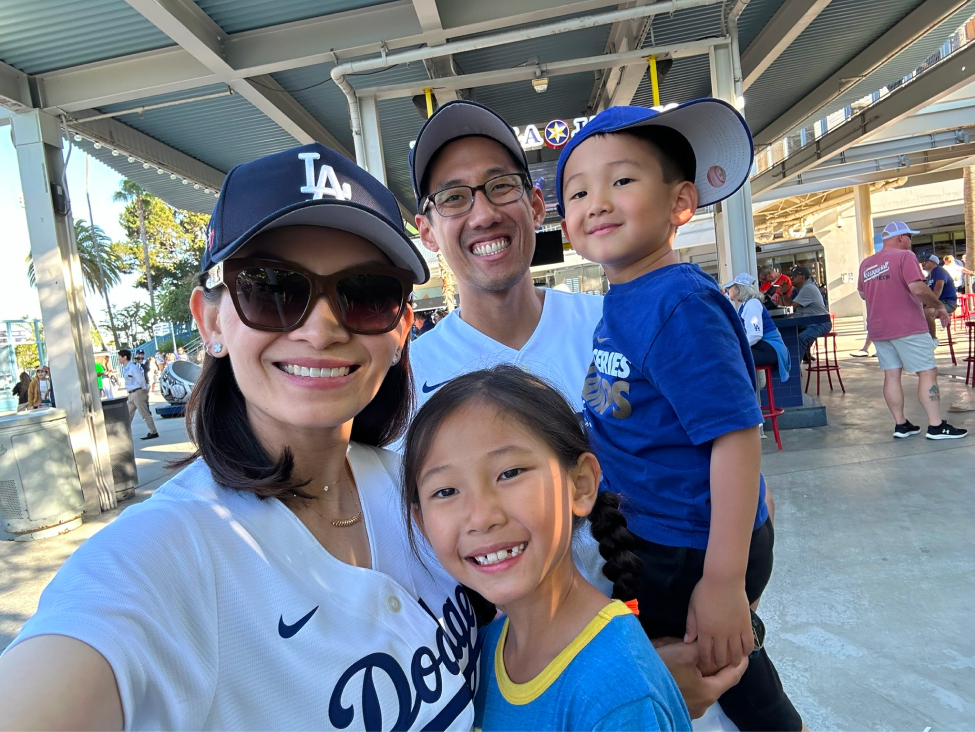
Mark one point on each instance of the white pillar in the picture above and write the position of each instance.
(60, 288)
(372, 139)
(864, 221)
(734, 224)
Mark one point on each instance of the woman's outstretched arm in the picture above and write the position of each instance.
(55, 682)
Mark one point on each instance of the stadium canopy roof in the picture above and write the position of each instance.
(173, 93)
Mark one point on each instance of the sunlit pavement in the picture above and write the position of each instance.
(29, 565)
(869, 610)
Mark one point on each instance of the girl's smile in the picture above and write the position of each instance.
(496, 505)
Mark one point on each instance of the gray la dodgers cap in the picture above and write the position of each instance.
(455, 119)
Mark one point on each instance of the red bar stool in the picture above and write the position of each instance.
(970, 360)
(819, 366)
(771, 411)
(951, 345)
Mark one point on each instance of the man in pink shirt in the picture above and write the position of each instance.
(896, 293)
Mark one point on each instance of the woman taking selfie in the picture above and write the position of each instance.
(269, 584)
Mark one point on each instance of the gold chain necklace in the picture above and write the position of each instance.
(344, 523)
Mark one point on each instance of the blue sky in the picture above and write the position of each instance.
(17, 297)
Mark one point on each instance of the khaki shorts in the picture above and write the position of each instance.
(914, 353)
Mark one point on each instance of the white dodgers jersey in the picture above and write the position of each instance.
(559, 351)
(220, 611)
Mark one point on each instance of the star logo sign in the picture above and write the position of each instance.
(556, 134)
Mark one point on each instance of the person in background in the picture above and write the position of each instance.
(41, 389)
(181, 354)
(773, 284)
(891, 284)
(138, 390)
(768, 348)
(422, 323)
(808, 300)
(102, 380)
(958, 272)
(864, 350)
(943, 287)
(21, 390)
(152, 370)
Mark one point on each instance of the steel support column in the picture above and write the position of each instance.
(863, 210)
(60, 287)
(372, 139)
(733, 218)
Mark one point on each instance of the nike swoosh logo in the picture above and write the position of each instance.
(601, 340)
(427, 388)
(286, 631)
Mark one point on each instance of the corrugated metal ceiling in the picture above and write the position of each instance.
(221, 132)
(842, 30)
(235, 16)
(900, 66)
(44, 35)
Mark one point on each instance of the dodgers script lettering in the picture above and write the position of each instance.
(456, 654)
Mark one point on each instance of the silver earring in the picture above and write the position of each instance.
(217, 347)
(396, 358)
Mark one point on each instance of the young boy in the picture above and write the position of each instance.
(670, 397)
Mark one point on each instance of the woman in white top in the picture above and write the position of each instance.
(768, 348)
(270, 584)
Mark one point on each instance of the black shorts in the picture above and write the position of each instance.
(758, 701)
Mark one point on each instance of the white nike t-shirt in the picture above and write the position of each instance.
(559, 351)
(218, 610)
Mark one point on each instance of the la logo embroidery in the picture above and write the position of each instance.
(328, 183)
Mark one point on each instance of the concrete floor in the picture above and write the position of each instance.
(873, 586)
(874, 580)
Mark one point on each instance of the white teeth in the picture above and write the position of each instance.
(490, 247)
(314, 372)
(500, 556)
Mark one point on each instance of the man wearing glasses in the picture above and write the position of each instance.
(891, 283)
(478, 207)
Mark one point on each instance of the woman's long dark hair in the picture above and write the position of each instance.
(24, 380)
(216, 420)
(545, 413)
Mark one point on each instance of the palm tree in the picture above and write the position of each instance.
(101, 267)
(128, 192)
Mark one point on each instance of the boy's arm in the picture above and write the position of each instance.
(718, 614)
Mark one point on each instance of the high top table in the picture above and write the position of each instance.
(789, 395)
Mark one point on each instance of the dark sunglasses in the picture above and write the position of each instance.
(278, 296)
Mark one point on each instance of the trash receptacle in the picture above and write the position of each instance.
(40, 491)
(121, 449)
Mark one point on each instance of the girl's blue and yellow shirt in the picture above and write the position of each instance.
(609, 678)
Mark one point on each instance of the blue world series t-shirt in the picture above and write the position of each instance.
(672, 371)
(609, 678)
(940, 274)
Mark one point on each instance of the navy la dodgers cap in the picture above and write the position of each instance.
(717, 133)
(311, 185)
(455, 119)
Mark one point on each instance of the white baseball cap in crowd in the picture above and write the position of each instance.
(896, 228)
(934, 258)
(743, 279)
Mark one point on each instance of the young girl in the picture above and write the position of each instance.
(497, 471)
